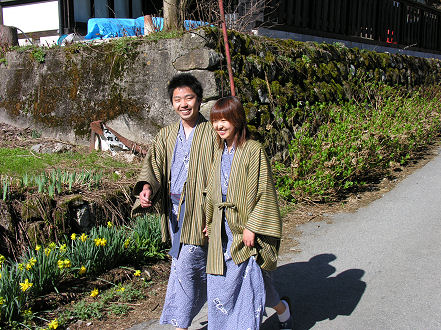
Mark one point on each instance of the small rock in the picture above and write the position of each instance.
(61, 147)
(36, 148)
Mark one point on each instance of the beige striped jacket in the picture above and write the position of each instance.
(251, 203)
(156, 171)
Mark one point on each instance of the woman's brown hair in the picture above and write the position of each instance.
(230, 108)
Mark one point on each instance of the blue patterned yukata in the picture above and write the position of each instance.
(236, 299)
(187, 284)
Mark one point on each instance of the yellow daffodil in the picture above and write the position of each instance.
(27, 313)
(20, 266)
(0, 276)
(2, 259)
(25, 285)
(109, 224)
(60, 264)
(82, 270)
(47, 251)
(33, 261)
(126, 243)
(2, 301)
(37, 247)
(67, 263)
(137, 273)
(94, 293)
(52, 245)
(83, 237)
(73, 237)
(63, 248)
(100, 241)
(53, 324)
(121, 289)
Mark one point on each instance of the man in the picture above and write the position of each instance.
(174, 175)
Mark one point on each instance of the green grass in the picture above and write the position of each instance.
(16, 162)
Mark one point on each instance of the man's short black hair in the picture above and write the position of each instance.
(185, 80)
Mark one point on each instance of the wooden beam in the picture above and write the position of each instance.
(1, 15)
(6, 3)
(38, 34)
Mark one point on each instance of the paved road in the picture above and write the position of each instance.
(378, 268)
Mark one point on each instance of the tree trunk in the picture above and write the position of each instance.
(170, 15)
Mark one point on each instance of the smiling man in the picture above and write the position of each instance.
(174, 175)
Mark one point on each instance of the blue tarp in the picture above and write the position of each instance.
(101, 28)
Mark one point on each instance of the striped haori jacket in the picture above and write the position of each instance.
(156, 172)
(251, 203)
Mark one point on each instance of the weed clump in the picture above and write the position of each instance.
(343, 146)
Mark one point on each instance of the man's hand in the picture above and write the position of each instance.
(248, 237)
(144, 196)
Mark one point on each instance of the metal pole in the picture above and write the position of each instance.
(227, 48)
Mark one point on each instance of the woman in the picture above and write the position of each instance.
(243, 225)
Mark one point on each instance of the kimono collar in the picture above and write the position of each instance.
(233, 149)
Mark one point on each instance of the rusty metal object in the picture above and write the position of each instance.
(227, 48)
(96, 128)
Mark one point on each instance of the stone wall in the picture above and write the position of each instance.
(59, 91)
(284, 82)
(123, 82)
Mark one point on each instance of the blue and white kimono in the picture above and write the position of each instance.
(236, 299)
(187, 286)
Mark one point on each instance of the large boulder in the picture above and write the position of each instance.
(8, 35)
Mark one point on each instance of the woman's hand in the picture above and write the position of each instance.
(248, 237)
(205, 231)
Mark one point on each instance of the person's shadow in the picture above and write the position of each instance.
(314, 295)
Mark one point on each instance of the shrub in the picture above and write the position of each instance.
(343, 146)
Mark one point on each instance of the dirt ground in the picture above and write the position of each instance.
(150, 307)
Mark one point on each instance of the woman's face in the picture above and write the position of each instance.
(225, 129)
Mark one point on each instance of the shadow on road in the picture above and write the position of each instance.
(315, 296)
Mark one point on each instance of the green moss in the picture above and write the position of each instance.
(38, 207)
(37, 233)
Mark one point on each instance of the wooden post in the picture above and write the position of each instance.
(111, 8)
(1, 14)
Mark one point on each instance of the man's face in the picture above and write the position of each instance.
(186, 104)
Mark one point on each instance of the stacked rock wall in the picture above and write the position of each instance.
(122, 82)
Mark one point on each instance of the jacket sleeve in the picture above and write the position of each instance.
(264, 218)
(152, 171)
(208, 192)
